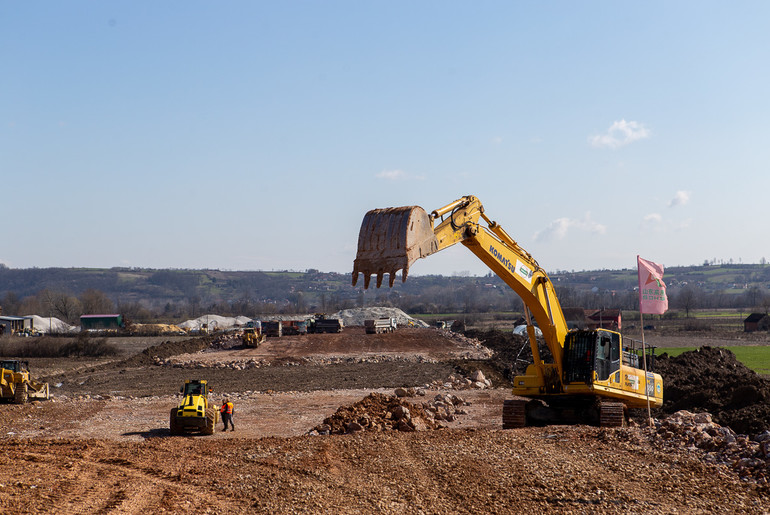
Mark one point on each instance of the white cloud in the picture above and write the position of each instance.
(680, 199)
(398, 175)
(619, 134)
(653, 218)
(392, 175)
(559, 228)
(655, 222)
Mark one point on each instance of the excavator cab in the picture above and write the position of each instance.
(586, 352)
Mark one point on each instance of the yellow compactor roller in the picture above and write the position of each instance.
(196, 412)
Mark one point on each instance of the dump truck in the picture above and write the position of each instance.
(196, 412)
(589, 377)
(272, 328)
(294, 327)
(321, 323)
(17, 386)
(380, 325)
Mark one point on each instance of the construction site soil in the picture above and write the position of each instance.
(102, 443)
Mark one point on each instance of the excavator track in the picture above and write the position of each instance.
(514, 413)
(612, 414)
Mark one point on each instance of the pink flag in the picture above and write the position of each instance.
(652, 289)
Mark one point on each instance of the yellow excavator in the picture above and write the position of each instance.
(591, 376)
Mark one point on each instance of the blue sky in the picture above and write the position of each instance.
(256, 135)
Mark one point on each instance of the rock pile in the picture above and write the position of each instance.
(719, 445)
(380, 412)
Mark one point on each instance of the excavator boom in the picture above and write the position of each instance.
(393, 239)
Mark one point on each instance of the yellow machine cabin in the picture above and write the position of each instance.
(591, 376)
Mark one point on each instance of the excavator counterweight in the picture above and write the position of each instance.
(391, 240)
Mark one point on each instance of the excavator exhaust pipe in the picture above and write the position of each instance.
(390, 240)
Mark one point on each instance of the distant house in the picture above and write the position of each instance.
(604, 319)
(575, 318)
(755, 322)
(101, 322)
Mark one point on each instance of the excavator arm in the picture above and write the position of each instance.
(393, 239)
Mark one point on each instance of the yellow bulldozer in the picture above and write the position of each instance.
(591, 376)
(252, 336)
(17, 386)
(196, 412)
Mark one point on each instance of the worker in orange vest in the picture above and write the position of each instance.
(227, 414)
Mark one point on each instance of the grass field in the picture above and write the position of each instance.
(757, 358)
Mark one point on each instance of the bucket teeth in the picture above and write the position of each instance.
(390, 240)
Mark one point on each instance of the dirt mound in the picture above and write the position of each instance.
(165, 350)
(713, 380)
(377, 412)
(512, 352)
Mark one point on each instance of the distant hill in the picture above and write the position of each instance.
(183, 292)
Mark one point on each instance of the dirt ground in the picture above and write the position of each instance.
(102, 444)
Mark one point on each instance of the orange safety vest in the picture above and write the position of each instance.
(227, 408)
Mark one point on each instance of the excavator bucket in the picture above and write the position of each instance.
(392, 239)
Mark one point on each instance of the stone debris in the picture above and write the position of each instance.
(380, 412)
(460, 382)
(718, 445)
(250, 363)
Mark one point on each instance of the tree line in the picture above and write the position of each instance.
(173, 296)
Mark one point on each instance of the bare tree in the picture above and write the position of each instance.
(687, 299)
(96, 302)
(61, 305)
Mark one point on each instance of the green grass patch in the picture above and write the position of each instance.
(291, 275)
(755, 357)
(717, 314)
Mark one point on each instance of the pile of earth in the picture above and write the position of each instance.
(512, 354)
(377, 412)
(165, 350)
(713, 380)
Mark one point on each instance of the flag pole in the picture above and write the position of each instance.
(644, 360)
(644, 347)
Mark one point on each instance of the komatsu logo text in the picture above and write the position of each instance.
(518, 268)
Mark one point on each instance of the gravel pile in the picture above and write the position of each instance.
(358, 315)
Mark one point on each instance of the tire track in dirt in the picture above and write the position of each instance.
(91, 479)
